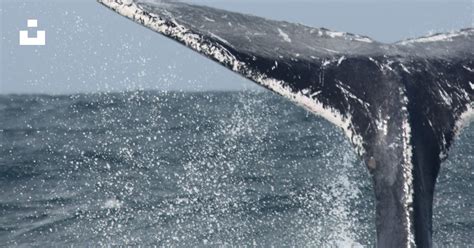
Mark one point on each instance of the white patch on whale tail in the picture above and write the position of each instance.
(465, 119)
(407, 167)
(284, 35)
(435, 38)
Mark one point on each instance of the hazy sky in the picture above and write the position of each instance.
(89, 48)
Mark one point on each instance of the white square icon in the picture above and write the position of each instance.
(26, 40)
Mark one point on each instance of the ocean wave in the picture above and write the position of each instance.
(191, 169)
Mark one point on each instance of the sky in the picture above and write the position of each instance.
(92, 49)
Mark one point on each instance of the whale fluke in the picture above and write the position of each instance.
(400, 104)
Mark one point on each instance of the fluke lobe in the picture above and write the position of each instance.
(400, 104)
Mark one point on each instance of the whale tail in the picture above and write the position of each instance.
(399, 104)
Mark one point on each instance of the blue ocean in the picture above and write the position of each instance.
(202, 169)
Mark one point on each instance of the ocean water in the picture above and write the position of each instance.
(212, 169)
